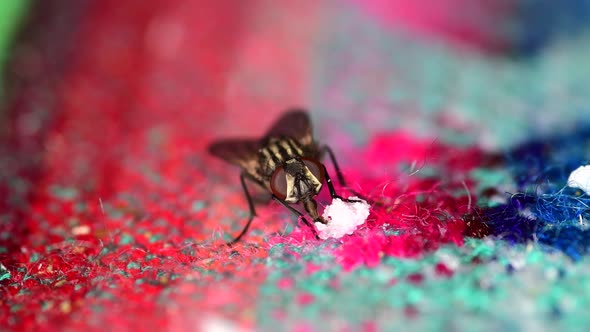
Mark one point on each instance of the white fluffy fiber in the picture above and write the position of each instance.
(343, 218)
(580, 178)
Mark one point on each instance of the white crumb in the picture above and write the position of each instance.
(81, 230)
(343, 218)
(580, 178)
(218, 324)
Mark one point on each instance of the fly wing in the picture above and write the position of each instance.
(294, 124)
(240, 152)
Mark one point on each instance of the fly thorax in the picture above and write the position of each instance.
(301, 182)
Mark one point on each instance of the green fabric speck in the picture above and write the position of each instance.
(4, 273)
(133, 265)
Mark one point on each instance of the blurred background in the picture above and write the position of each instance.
(384, 64)
(88, 85)
(109, 105)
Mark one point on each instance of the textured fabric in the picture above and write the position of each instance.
(112, 215)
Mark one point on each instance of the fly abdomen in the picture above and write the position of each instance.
(294, 146)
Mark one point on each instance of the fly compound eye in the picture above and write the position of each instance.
(315, 167)
(278, 183)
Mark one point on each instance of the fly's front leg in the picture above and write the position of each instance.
(298, 214)
(326, 149)
(333, 191)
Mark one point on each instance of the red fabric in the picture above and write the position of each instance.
(423, 211)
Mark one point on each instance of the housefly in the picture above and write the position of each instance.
(285, 162)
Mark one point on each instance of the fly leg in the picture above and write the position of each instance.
(326, 149)
(243, 177)
(333, 191)
(299, 214)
